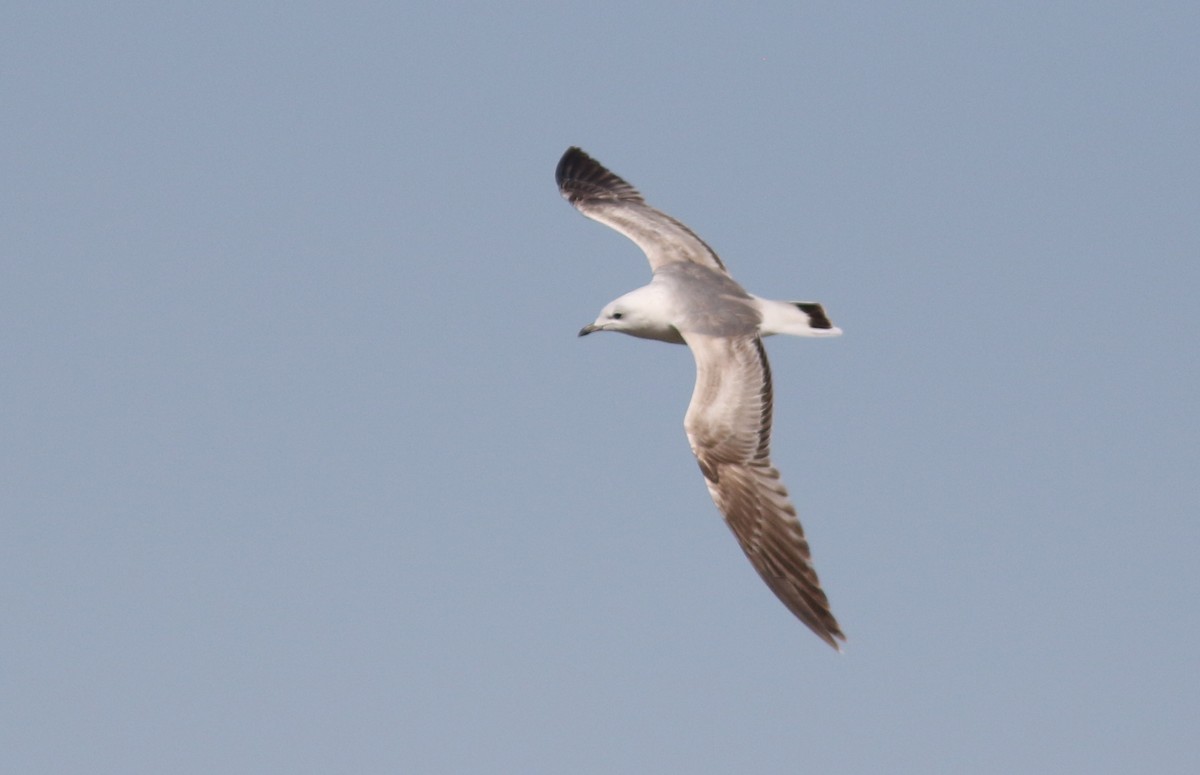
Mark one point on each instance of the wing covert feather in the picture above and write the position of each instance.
(729, 426)
(605, 197)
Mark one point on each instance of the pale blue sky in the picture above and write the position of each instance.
(305, 470)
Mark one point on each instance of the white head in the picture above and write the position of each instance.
(640, 313)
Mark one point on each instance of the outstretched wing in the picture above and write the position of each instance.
(603, 196)
(729, 426)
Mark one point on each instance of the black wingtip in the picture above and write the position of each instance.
(579, 176)
(573, 158)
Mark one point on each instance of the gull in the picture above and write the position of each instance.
(692, 300)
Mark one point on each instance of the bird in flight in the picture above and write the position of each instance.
(691, 299)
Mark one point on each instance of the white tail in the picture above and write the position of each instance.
(798, 318)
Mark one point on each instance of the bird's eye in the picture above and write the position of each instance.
(616, 316)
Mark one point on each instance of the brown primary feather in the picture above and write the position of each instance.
(607, 198)
(729, 427)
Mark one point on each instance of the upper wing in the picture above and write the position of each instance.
(604, 197)
(729, 426)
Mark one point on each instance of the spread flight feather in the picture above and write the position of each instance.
(692, 299)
